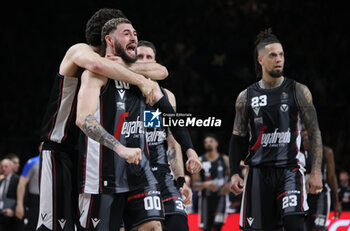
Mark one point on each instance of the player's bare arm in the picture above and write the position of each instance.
(83, 55)
(240, 126)
(21, 188)
(240, 131)
(308, 117)
(88, 98)
(152, 70)
(332, 181)
(226, 188)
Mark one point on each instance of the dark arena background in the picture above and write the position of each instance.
(207, 47)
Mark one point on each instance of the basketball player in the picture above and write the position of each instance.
(320, 203)
(271, 111)
(213, 184)
(127, 189)
(59, 132)
(157, 139)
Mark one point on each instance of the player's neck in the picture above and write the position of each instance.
(212, 155)
(99, 49)
(268, 82)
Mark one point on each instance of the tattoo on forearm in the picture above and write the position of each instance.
(171, 153)
(240, 126)
(308, 117)
(94, 130)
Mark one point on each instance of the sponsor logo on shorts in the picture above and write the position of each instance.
(95, 221)
(62, 223)
(250, 220)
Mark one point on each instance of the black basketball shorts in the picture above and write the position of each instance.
(269, 194)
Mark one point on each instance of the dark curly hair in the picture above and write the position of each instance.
(96, 22)
(110, 26)
(264, 38)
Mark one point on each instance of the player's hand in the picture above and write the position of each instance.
(225, 189)
(237, 184)
(314, 183)
(187, 192)
(19, 211)
(337, 210)
(193, 164)
(148, 87)
(211, 186)
(8, 212)
(131, 155)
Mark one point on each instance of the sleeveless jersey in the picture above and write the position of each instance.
(157, 144)
(59, 120)
(120, 112)
(274, 126)
(213, 171)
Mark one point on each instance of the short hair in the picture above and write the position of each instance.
(144, 43)
(96, 22)
(110, 26)
(11, 156)
(264, 38)
(211, 135)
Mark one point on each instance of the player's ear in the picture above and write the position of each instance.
(260, 59)
(109, 40)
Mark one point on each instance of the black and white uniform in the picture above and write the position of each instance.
(274, 183)
(58, 157)
(212, 205)
(109, 186)
(172, 199)
(320, 203)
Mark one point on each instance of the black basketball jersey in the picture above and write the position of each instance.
(213, 171)
(274, 123)
(157, 144)
(120, 112)
(58, 124)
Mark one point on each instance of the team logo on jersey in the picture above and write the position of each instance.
(284, 97)
(284, 107)
(152, 118)
(95, 221)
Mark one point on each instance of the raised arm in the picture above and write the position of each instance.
(309, 119)
(239, 142)
(88, 98)
(332, 181)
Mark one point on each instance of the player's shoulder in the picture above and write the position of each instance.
(169, 93)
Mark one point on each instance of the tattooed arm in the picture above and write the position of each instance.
(240, 126)
(238, 142)
(88, 99)
(309, 119)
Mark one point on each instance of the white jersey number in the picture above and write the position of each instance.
(152, 203)
(259, 101)
(289, 201)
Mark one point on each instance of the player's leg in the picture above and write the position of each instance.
(292, 198)
(259, 210)
(143, 209)
(220, 213)
(55, 206)
(100, 212)
(176, 222)
(319, 210)
(174, 207)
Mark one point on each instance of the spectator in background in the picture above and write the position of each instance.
(8, 196)
(15, 160)
(30, 207)
(344, 190)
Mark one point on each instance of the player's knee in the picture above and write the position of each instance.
(150, 226)
(293, 223)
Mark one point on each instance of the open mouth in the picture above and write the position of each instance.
(131, 47)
